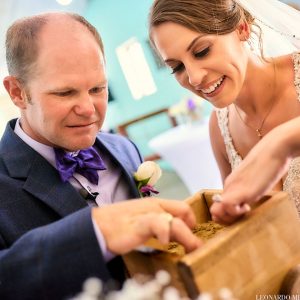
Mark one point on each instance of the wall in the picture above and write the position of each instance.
(117, 21)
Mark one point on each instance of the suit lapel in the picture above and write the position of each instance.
(127, 167)
(40, 178)
(44, 183)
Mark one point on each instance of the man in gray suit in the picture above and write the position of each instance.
(58, 173)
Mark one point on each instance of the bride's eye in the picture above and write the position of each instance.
(202, 53)
(178, 68)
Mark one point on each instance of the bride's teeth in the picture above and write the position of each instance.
(213, 86)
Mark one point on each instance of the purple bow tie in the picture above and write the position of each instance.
(86, 163)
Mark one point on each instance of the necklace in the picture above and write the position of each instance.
(260, 128)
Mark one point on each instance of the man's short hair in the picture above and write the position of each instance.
(22, 42)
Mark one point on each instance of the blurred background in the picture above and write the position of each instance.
(139, 85)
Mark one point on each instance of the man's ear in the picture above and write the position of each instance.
(16, 91)
(243, 30)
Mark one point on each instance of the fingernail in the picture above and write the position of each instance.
(238, 208)
(217, 198)
(246, 207)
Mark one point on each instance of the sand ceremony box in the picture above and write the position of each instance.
(251, 257)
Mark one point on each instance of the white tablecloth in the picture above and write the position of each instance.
(187, 149)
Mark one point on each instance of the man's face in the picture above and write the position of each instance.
(67, 94)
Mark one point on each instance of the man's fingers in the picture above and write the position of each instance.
(183, 235)
(167, 228)
(143, 219)
(161, 225)
(180, 210)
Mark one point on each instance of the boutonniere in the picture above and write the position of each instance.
(146, 177)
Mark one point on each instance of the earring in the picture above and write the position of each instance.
(250, 44)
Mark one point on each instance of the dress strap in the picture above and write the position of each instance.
(223, 120)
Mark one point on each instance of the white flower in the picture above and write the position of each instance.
(148, 170)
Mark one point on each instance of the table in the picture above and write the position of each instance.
(187, 149)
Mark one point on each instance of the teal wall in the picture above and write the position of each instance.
(117, 21)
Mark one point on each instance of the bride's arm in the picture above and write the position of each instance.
(265, 164)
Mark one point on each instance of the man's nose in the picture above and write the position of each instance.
(85, 106)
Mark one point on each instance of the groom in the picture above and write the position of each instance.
(55, 167)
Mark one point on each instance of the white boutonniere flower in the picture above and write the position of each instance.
(146, 177)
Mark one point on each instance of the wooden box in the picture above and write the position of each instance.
(250, 257)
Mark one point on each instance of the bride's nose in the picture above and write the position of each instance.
(195, 75)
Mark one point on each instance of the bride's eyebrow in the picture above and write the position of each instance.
(194, 41)
(188, 48)
(170, 60)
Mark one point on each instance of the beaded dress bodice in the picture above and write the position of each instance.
(291, 184)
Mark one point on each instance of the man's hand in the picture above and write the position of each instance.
(127, 225)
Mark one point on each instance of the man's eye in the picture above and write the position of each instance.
(64, 94)
(97, 90)
(178, 68)
(202, 53)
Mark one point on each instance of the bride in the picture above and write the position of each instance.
(242, 57)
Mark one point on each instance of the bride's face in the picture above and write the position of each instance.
(211, 66)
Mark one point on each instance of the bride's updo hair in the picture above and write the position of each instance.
(203, 16)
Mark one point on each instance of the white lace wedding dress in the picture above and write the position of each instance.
(292, 182)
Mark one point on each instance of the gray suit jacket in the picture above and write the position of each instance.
(47, 241)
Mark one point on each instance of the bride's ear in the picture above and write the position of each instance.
(243, 30)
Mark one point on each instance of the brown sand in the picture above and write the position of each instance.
(204, 231)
